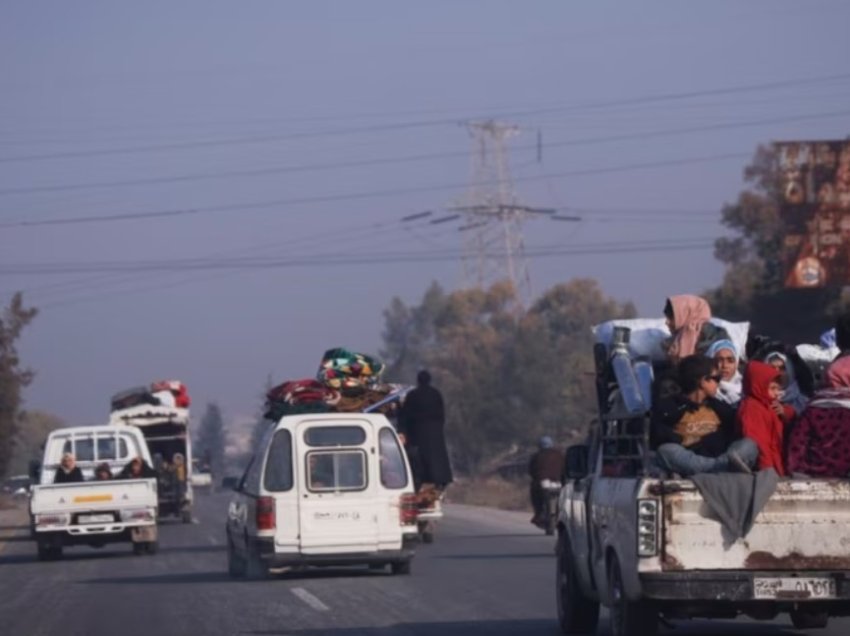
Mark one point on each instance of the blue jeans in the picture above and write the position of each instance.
(678, 459)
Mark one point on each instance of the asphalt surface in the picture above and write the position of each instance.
(488, 572)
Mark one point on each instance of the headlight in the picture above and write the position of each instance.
(647, 527)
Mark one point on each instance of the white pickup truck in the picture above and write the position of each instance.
(91, 512)
(652, 549)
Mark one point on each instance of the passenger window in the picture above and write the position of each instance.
(67, 447)
(334, 436)
(333, 471)
(84, 450)
(393, 470)
(123, 451)
(106, 448)
(278, 476)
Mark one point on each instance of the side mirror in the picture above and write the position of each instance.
(577, 461)
(35, 470)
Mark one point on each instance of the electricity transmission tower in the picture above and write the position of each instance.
(493, 242)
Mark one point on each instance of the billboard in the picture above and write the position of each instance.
(815, 209)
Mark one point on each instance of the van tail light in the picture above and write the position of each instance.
(408, 509)
(265, 513)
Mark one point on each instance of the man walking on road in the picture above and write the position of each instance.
(421, 421)
(546, 464)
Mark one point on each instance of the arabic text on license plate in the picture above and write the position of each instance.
(96, 519)
(794, 587)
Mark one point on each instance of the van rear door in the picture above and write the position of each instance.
(338, 507)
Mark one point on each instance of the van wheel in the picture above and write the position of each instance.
(236, 566)
(628, 618)
(400, 567)
(152, 547)
(801, 619)
(577, 614)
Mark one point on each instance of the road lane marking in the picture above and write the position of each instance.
(311, 600)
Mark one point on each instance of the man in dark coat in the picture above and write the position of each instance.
(68, 471)
(546, 464)
(421, 421)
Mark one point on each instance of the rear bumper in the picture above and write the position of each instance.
(733, 587)
(265, 550)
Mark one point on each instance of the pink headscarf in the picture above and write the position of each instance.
(690, 313)
(838, 373)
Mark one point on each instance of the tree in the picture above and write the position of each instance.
(210, 442)
(753, 284)
(13, 377)
(31, 431)
(506, 378)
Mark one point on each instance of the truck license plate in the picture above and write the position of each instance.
(794, 587)
(95, 519)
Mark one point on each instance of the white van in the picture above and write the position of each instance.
(324, 489)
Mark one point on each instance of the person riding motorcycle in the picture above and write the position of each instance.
(546, 464)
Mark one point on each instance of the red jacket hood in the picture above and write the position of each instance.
(757, 377)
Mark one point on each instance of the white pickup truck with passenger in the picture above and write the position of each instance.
(652, 548)
(324, 489)
(93, 513)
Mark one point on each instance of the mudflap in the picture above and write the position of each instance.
(143, 534)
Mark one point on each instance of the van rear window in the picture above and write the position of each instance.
(393, 470)
(278, 477)
(334, 436)
(336, 470)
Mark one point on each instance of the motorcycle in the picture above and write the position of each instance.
(551, 492)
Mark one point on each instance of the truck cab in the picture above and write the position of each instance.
(648, 546)
(324, 489)
(93, 513)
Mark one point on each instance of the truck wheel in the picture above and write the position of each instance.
(152, 547)
(400, 567)
(577, 614)
(801, 619)
(138, 548)
(628, 618)
(236, 566)
(48, 551)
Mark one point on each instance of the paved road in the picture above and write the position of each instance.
(489, 572)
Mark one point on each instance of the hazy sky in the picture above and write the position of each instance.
(296, 131)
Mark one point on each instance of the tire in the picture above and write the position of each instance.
(139, 548)
(628, 618)
(577, 614)
(802, 619)
(152, 547)
(400, 567)
(186, 516)
(45, 550)
(236, 566)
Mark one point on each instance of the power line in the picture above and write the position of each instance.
(245, 206)
(358, 163)
(336, 259)
(264, 139)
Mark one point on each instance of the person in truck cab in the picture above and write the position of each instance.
(68, 471)
(546, 463)
(694, 432)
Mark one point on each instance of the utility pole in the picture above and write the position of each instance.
(493, 244)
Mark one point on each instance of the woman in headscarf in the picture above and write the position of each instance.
(791, 393)
(688, 319)
(819, 444)
(725, 357)
(68, 471)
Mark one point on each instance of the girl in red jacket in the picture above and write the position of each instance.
(761, 415)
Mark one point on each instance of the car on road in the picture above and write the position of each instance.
(201, 478)
(324, 489)
(17, 486)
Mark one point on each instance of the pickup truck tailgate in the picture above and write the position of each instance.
(804, 526)
(102, 495)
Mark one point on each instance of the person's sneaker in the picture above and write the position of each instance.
(738, 464)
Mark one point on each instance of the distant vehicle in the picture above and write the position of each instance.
(166, 430)
(324, 489)
(93, 513)
(201, 476)
(18, 486)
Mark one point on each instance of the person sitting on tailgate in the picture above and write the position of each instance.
(102, 472)
(694, 432)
